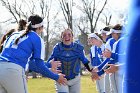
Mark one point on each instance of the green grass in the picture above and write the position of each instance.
(45, 85)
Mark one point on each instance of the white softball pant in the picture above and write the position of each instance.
(73, 86)
(116, 82)
(100, 85)
(107, 84)
(12, 78)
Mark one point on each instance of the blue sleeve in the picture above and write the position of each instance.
(103, 64)
(48, 64)
(83, 58)
(38, 66)
(101, 72)
(114, 56)
(38, 46)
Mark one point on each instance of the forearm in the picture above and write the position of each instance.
(40, 67)
(48, 63)
(114, 56)
(101, 72)
(103, 64)
(88, 67)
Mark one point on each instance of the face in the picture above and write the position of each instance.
(104, 36)
(67, 37)
(115, 36)
(89, 41)
(92, 41)
(39, 30)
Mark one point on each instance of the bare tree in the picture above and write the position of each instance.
(16, 9)
(107, 16)
(45, 13)
(90, 9)
(45, 6)
(66, 6)
(24, 8)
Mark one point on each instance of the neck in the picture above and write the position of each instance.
(99, 45)
(68, 45)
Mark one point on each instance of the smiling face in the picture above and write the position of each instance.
(67, 36)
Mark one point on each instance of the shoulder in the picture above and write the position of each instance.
(111, 40)
(34, 37)
(77, 46)
(32, 33)
(57, 46)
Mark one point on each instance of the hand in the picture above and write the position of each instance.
(95, 69)
(56, 71)
(62, 80)
(55, 64)
(27, 78)
(112, 69)
(107, 54)
(94, 76)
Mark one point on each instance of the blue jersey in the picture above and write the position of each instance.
(118, 53)
(70, 57)
(96, 58)
(29, 46)
(109, 46)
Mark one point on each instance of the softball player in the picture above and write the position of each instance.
(96, 58)
(116, 77)
(19, 48)
(70, 54)
(108, 46)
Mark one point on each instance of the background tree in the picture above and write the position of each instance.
(93, 11)
(66, 6)
(18, 9)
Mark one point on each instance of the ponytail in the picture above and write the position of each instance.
(34, 22)
(25, 33)
(5, 37)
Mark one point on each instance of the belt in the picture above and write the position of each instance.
(71, 78)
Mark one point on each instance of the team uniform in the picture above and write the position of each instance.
(116, 78)
(107, 84)
(70, 56)
(96, 60)
(117, 55)
(14, 58)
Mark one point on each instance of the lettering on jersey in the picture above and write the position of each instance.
(20, 40)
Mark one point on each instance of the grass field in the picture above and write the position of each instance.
(45, 85)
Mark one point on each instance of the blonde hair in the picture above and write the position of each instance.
(68, 29)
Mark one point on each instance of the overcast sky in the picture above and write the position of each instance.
(116, 5)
